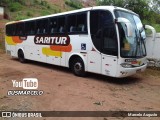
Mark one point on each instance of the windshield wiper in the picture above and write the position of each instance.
(138, 43)
(142, 42)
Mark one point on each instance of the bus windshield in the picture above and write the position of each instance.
(133, 46)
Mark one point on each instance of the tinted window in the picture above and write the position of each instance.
(42, 26)
(110, 45)
(19, 29)
(103, 32)
(30, 28)
(82, 23)
(94, 28)
(61, 25)
(10, 29)
(53, 25)
(72, 22)
(77, 23)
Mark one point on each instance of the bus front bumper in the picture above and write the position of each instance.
(124, 72)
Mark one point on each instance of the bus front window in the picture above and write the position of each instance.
(131, 46)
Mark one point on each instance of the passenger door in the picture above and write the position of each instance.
(109, 50)
(103, 60)
(94, 55)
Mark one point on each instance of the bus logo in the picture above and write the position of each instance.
(52, 40)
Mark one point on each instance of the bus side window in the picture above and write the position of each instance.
(103, 32)
(38, 27)
(77, 23)
(71, 23)
(82, 23)
(19, 29)
(61, 25)
(94, 29)
(14, 30)
(42, 26)
(53, 25)
(106, 24)
(10, 29)
(110, 40)
(30, 28)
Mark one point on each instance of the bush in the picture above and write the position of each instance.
(157, 27)
(45, 12)
(13, 7)
(20, 18)
(48, 7)
(74, 4)
(44, 3)
(29, 14)
(36, 1)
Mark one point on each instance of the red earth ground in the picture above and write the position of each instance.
(65, 92)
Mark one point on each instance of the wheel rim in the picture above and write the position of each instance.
(78, 67)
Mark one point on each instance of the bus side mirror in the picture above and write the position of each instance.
(127, 24)
(152, 29)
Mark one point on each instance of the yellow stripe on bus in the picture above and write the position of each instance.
(49, 52)
(10, 41)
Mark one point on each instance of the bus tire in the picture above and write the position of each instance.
(21, 56)
(78, 67)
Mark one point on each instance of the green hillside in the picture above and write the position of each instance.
(23, 9)
(20, 9)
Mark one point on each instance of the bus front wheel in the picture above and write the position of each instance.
(78, 67)
(21, 56)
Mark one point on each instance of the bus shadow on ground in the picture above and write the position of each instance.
(93, 76)
(119, 81)
(45, 65)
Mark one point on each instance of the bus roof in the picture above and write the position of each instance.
(110, 8)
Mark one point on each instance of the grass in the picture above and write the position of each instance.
(19, 11)
(157, 27)
(15, 6)
(74, 4)
(46, 12)
(40, 8)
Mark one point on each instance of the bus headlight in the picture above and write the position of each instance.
(126, 65)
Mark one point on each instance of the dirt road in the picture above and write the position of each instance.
(65, 92)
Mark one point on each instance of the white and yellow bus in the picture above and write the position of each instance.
(106, 40)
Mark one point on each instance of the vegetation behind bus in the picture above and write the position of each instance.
(21, 9)
(18, 9)
(149, 14)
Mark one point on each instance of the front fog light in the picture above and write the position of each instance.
(126, 65)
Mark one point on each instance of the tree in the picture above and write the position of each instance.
(142, 7)
(120, 3)
(134, 5)
(155, 5)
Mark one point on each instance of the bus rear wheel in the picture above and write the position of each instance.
(21, 56)
(78, 67)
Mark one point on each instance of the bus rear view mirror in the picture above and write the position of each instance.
(128, 25)
(153, 31)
